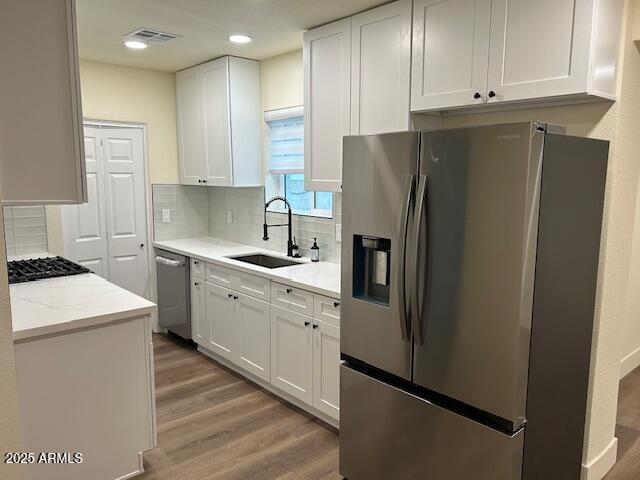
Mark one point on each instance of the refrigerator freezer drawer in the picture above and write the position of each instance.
(388, 433)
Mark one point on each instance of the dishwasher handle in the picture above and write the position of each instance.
(168, 262)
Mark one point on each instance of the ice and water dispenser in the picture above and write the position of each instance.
(371, 268)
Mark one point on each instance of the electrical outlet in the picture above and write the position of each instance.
(166, 215)
(338, 232)
(229, 216)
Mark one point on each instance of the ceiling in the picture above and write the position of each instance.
(276, 27)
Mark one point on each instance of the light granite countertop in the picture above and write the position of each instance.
(55, 305)
(320, 277)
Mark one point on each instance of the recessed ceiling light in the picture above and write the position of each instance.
(239, 38)
(134, 44)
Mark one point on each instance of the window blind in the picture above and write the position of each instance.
(286, 140)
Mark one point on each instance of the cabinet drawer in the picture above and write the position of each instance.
(292, 298)
(326, 309)
(252, 285)
(197, 269)
(219, 275)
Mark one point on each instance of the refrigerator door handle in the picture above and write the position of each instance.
(404, 230)
(417, 321)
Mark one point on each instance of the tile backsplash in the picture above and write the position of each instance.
(25, 229)
(190, 218)
(188, 208)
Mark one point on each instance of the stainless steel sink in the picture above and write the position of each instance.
(266, 261)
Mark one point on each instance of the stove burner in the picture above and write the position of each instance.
(40, 268)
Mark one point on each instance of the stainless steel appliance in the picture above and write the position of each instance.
(469, 267)
(174, 293)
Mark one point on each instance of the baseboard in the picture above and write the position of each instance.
(597, 468)
(630, 363)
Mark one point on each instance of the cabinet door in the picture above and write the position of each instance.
(254, 349)
(327, 76)
(539, 49)
(198, 312)
(291, 353)
(380, 65)
(41, 140)
(217, 165)
(450, 53)
(191, 142)
(221, 322)
(326, 368)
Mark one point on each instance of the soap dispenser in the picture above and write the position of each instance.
(315, 251)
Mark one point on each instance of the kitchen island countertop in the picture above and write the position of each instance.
(62, 304)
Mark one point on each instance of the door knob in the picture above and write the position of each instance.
(477, 95)
(492, 94)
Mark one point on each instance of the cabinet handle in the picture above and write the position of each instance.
(199, 180)
(230, 295)
(204, 181)
(195, 262)
(477, 95)
(492, 94)
(235, 297)
(315, 326)
(196, 283)
(289, 290)
(306, 324)
(336, 304)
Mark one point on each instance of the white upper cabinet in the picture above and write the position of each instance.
(450, 53)
(498, 52)
(219, 123)
(41, 139)
(327, 76)
(356, 81)
(380, 69)
(190, 101)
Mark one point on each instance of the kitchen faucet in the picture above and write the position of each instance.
(291, 246)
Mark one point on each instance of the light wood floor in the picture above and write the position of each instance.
(628, 430)
(213, 424)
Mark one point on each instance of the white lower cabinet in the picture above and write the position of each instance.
(221, 322)
(198, 312)
(297, 354)
(292, 353)
(254, 354)
(326, 368)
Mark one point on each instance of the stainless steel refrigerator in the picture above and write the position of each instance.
(469, 271)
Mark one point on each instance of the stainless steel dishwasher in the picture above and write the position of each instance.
(174, 295)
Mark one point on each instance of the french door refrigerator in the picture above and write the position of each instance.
(469, 268)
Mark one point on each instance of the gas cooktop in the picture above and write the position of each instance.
(40, 268)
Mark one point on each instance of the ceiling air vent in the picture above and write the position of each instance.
(149, 35)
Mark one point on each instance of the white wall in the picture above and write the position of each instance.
(282, 81)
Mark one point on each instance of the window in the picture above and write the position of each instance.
(285, 162)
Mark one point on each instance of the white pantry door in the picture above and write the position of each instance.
(123, 160)
(84, 226)
(109, 233)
